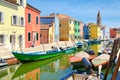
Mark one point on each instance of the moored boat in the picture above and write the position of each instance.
(82, 75)
(31, 56)
(69, 49)
(25, 67)
(101, 60)
(78, 57)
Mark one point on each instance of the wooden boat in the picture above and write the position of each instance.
(82, 75)
(30, 66)
(101, 60)
(30, 56)
(3, 62)
(78, 57)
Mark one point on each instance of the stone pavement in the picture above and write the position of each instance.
(5, 53)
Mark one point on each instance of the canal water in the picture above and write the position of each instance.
(48, 69)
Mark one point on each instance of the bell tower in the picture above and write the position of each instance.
(98, 19)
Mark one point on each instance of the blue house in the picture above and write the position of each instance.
(86, 31)
(49, 20)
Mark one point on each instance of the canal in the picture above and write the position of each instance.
(48, 69)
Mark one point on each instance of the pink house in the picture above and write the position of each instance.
(81, 30)
(32, 26)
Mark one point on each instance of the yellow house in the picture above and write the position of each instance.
(94, 31)
(66, 25)
(12, 23)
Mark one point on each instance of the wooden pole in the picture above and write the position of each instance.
(112, 56)
(65, 43)
(42, 42)
(116, 69)
(73, 41)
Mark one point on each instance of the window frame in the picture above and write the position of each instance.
(37, 20)
(29, 15)
(37, 36)
(21, 3)
(16, 21)
(3, 42)
(1, 18)
(29, 36)
(21, 21)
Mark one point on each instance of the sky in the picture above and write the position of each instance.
(83, 10)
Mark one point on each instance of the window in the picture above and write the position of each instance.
(14, 20)
(2, 39)
(21, 2)
(60, 25)
(21, 21)
(75, 30)
(10, 38)
(1, 17)
(70, 21)
(36, 20)
(29, 36)
(29, 17)
(37, 36)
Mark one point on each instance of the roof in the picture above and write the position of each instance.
(50, 16)
(47, 20)
(63, 16)
(28, 5)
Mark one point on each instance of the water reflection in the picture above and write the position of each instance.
(48, 69)
(32, 70)
(95, 47)
(6, 73)
(98, 47)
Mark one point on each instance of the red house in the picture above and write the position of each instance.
(32, 26)
(114, 32)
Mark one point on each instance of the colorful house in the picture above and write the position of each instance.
(94, 31)
(12, 23)
(77, 29)
(71, 28)
(51, 20)
(32, 27)
(86, 31)
(66, 27)
(47, 33)
(81, 30)
(114, 32)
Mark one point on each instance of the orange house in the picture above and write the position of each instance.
(32, 26)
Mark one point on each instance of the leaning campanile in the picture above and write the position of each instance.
(98, 19)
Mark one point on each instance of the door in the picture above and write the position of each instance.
(12, 41)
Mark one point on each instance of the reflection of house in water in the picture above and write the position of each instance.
(6, 73)
(33, 75)
(96, 48)
(64, 62)
(51, 67)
